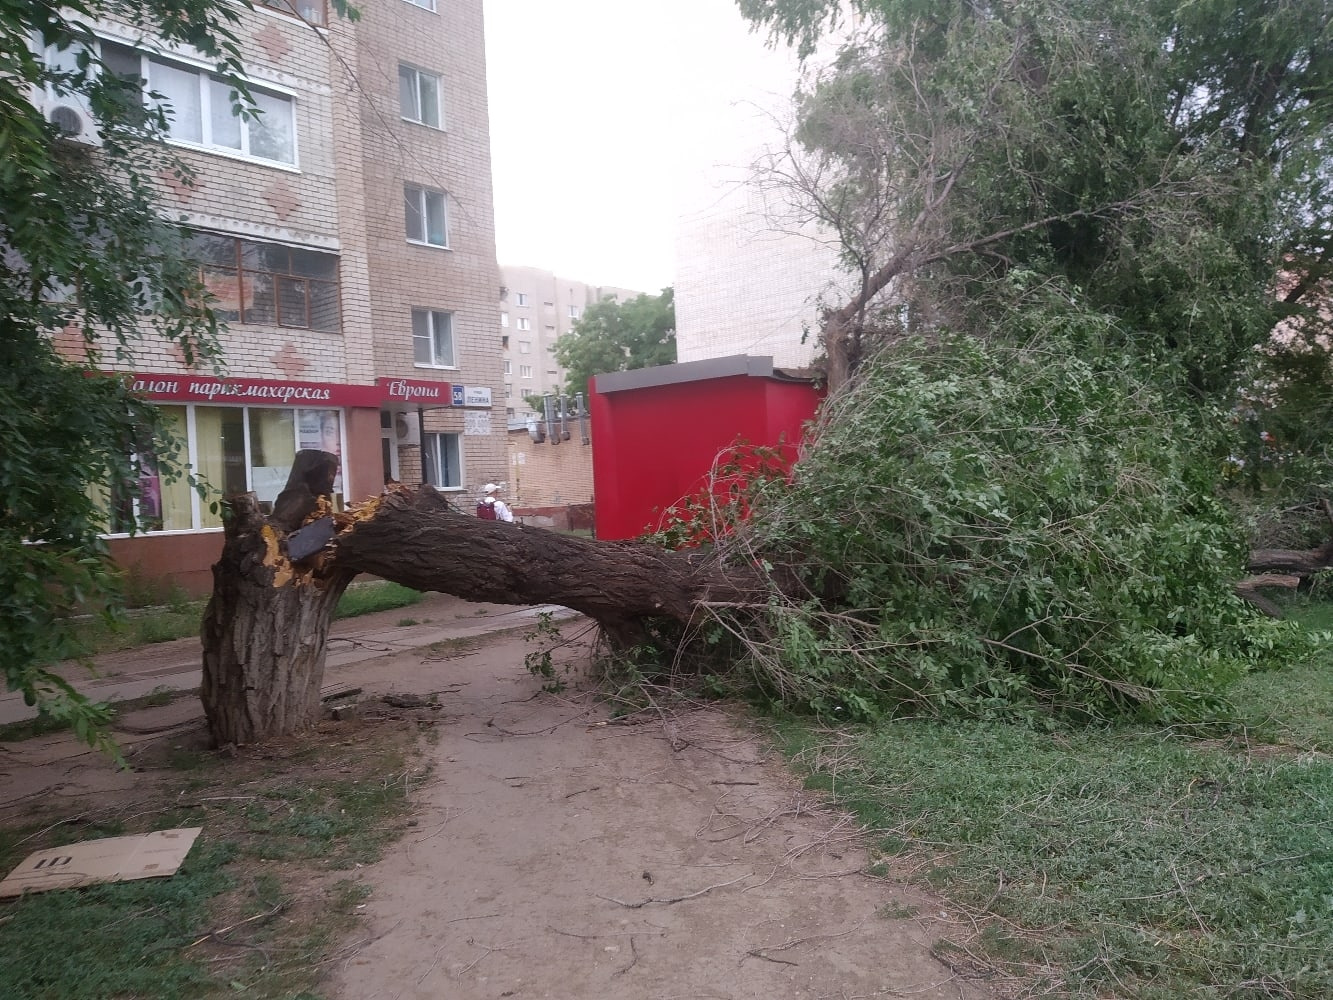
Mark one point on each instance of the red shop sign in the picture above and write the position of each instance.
(254, 391)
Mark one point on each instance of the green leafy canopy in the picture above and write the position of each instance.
(87, 256)
(614, 336)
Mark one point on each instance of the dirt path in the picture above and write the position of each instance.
(558, 854)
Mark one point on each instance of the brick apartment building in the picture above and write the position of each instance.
(537, 308)
(348, 236)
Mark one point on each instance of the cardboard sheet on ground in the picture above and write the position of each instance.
(114, 859)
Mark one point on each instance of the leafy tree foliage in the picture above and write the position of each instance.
(1072, 222)
(86, 258)
(1166, 159)
(997, 530)
(614, 336)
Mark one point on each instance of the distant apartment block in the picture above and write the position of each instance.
(751, 273)
(537, 308)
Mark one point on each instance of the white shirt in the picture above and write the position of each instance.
(502, 511)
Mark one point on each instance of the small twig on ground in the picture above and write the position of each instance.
(217, 934)
(591, 788)
(676, 899)
(48, 829)
(634, 952)
(795, 942)
(439, 829)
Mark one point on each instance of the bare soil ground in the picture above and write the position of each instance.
(557, 852)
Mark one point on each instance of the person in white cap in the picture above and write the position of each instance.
(492, 508)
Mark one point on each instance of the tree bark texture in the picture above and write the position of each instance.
(419, 541)
(1301, 562)
(264, 633)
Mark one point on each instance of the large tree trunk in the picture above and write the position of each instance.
(264, 633)
(265, 627)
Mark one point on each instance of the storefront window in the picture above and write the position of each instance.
(219, 459)
(272, 451)
(322, 430)
(176, 495)
(236, 449)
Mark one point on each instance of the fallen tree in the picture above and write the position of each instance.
(267, 622)
(950, 543)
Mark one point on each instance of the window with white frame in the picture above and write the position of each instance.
(509, 368)
(419, 97)
(525, 371)
(524, 346)
(423, 4)
(433, 339)
(573, 312)
(201, 108)
(427, 219)
(309, 11)
(440, 456)
(504, 319)
(522, 298)
(509, 390)
(523, 323)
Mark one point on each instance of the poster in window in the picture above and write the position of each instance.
(321, 430)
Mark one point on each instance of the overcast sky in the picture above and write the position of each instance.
(595, 105)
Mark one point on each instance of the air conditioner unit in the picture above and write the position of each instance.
(406, 429)
(73, 119)
(69, 112)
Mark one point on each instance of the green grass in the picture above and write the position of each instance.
(264, 837)
(1135, 863)
(366, 598)
(96, 635)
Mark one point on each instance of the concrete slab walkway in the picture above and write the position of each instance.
(176, 665)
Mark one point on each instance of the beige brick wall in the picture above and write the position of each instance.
(547, 475)
(464, 278)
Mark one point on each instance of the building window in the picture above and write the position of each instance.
(423, 4)
(504, 319)
(200, 109)
(268, 284)
(573, 312)
(525, 371)
(504, 341)
(522, 298)
(523, 323)
(309, 11)
(524, 346)
(419, 97)
(509, 367)
(427, 221)
(433, 339)
(509, 390)
(440, 457)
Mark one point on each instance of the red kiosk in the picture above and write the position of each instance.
(657, 431)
